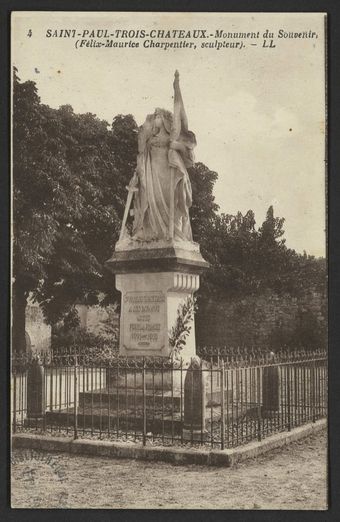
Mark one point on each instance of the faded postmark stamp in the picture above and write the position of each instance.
(42, 473)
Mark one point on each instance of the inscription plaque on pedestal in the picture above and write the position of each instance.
(144, 320)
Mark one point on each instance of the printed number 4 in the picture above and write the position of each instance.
(29, 34)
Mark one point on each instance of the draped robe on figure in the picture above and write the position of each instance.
(154, 163)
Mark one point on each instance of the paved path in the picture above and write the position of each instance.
(290, 478)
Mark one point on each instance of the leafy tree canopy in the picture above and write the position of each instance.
(69, 178)
(246, 260)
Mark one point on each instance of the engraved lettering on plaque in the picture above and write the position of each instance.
(144, 320)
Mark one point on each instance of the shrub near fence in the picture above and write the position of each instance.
(223, 399)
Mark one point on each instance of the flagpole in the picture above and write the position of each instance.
(173, 135)
(172, 203)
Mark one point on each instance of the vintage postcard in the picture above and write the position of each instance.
(169, 276)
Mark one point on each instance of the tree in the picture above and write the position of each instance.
(204, 208)
(91, 238)
(68, 198)
(248, 261)
(34, 186)
(231, 244)
(306, 331)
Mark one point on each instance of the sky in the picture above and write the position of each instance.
(258, 113)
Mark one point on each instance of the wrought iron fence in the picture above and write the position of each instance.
(221, 400)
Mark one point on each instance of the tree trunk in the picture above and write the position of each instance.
(19, 303)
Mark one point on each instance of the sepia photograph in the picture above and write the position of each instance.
(169, 307)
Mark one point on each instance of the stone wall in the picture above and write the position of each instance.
(251, 321)
(97, 319)
(240, 322)
(38, 332)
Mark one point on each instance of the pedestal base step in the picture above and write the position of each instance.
(97, 420)
(127, 398)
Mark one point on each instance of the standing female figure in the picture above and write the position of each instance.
(163, 196)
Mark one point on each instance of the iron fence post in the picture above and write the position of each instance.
(313, 389)
(182, 399)
(14, 402)
(144, 402)
(258, 375)
(44, 392)
(296, 423)
(222, 406)
(51, 387)
(75, 432)
(172, 400)
(211, 403)
(288, 396)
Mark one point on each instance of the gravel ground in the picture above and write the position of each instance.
(293, 477)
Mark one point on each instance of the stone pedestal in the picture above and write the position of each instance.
(149, 309)
(194, 401)
(154, 279)
(35, 391)
(270, 391)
